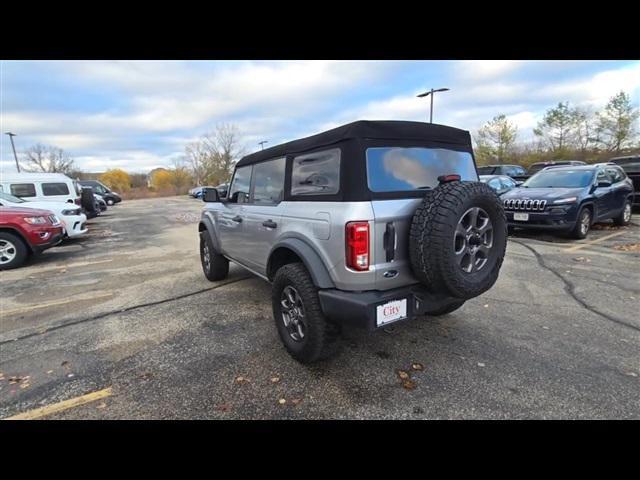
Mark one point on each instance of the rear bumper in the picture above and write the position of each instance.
(358, 309)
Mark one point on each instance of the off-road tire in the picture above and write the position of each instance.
(450, 307)
(21, 251)
(577, 232)
(431, 240)
(321, 335)
(620, 220)
(217, 268)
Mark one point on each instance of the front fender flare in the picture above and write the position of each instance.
(206, 225)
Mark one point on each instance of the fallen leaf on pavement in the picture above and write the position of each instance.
(224, 407)
(545, 327)
(631, 374)
(629, 247)
(49, 372)
(241, 379)
(296, 401)
(282, 401)
(403, 375)
(101, 405)
(480, 364)
(275, 379)
(417, 366)
(14, 380)
(146, 376)
(71, 375)
(409, 384)
(486, 305)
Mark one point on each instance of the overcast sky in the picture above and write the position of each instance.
(140, 115)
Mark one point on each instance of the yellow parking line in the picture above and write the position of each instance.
(61, 406)
(64, 301)
(592, 242)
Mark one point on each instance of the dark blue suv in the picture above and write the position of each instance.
(570, 199)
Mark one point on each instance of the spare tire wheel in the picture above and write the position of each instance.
(458, 239)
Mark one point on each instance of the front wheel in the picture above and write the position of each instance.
(582, 224)
(13, 251)
(214, 266)
(625, 216)
(305, 332)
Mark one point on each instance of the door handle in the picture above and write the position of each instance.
(237, 219)
(269, 224)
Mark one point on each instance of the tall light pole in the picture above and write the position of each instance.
(11, 135)
(431, 92)
(262, 143)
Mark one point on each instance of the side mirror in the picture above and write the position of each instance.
(604, 183)
(210, 195)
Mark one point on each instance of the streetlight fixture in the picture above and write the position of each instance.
(11, 135)
(262, 143)
(431, 92)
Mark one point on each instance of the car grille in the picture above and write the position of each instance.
(525, 205)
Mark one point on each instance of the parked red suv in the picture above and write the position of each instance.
(24, 232)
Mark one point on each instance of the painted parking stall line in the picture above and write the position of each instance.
(62, 406)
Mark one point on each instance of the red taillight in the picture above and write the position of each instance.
(357, 234)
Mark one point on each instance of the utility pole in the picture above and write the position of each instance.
(11, 135)
(431, 92)
(262, 143)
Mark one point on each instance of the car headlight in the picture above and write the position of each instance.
(565, 200)
(36, 220)
(71, 212)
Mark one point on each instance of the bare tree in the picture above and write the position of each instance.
(212, 157)
(616, 124)
(46, 158)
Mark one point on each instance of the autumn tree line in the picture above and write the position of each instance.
(565, 132)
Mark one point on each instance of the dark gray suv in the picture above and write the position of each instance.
(366, 224)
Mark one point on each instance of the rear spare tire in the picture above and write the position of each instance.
(458, 239)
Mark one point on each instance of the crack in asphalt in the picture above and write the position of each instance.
(569, 287)
(121, 310)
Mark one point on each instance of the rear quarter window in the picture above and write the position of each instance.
(50, 189)
(23, 189)
(397, 169)
(316, 173)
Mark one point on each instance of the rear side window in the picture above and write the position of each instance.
(49, 189)
(23, 189)
(239, 192)
(268, 181)
(316, 173)
(396, 169)
(616, 174)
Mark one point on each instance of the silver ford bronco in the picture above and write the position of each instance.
(366, 224)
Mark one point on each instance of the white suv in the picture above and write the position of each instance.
(74, 221)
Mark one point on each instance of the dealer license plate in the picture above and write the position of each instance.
(391, 311)
(521, 217)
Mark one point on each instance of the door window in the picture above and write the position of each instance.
(49, 189)
(268, 182)
(239, 191)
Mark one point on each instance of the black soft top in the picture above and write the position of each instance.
(366, 129)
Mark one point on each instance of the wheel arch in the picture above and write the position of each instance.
(206, 225)
(292, 250)
(18, 234)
